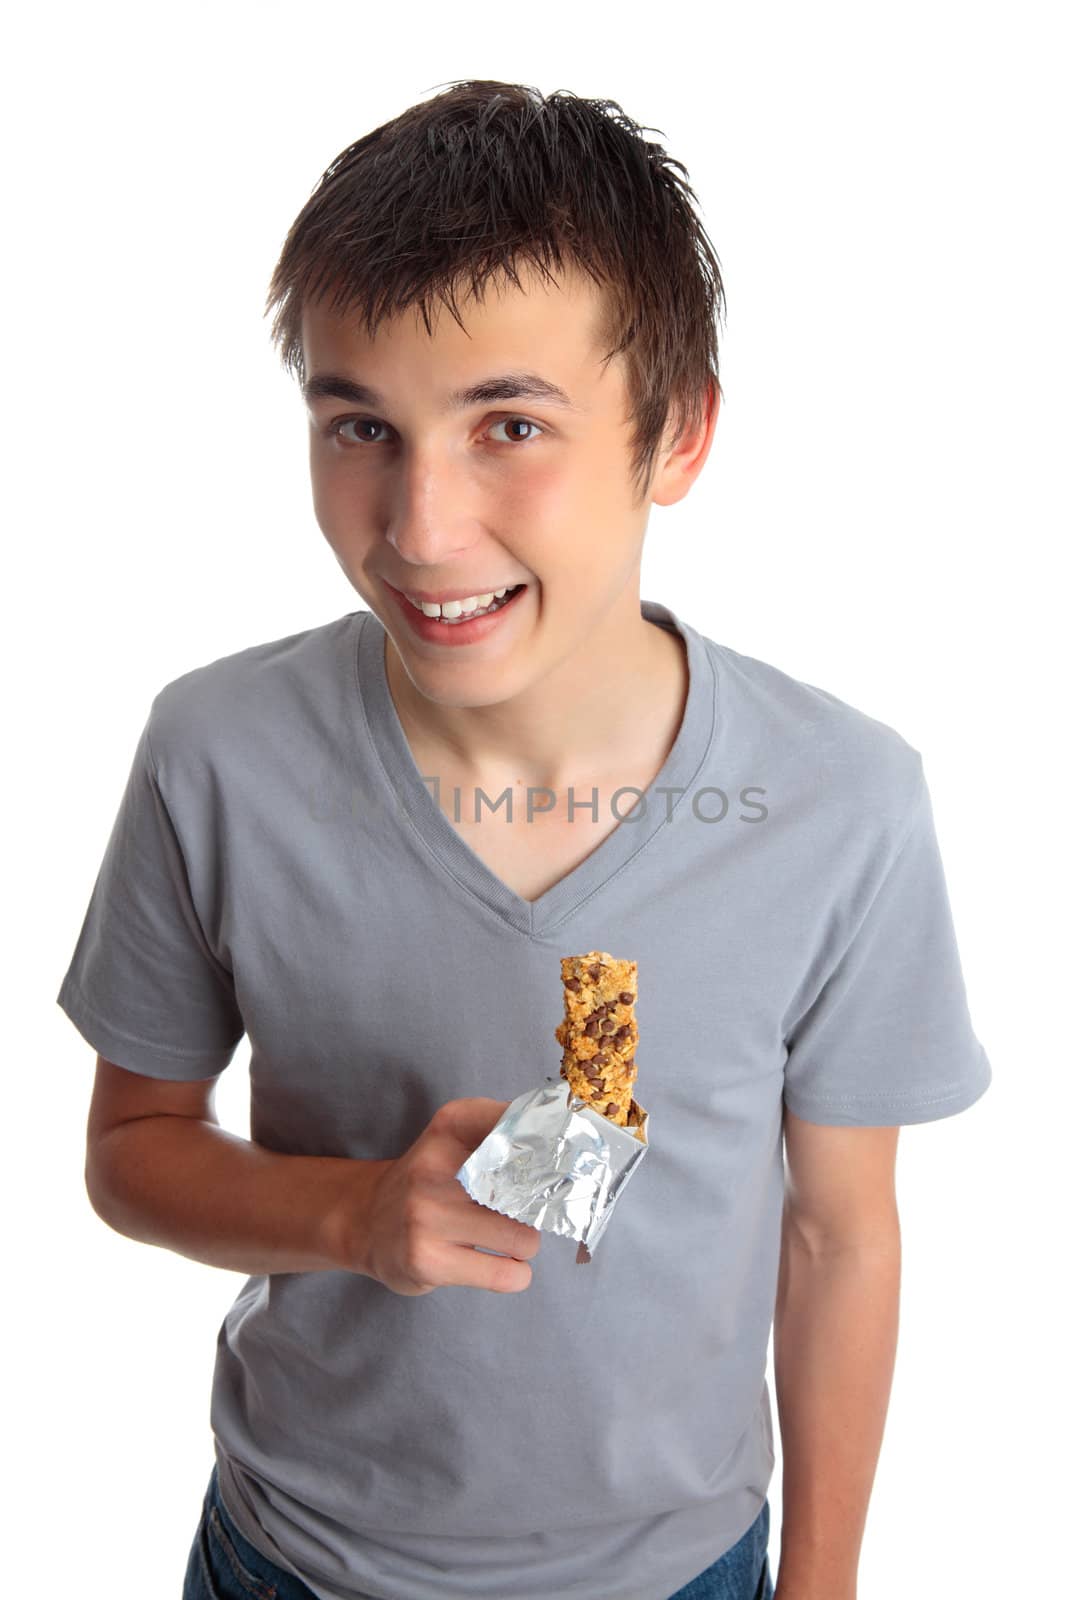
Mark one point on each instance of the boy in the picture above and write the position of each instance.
(369, 844)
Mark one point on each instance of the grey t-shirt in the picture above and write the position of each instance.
(279, 867)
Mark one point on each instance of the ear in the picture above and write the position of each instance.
(679, 468)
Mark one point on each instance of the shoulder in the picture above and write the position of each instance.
(856, 764)
(248, 692)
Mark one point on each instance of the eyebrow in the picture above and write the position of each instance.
(506, 386)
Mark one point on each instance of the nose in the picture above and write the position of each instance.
(429, 517)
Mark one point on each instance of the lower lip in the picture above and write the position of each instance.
(455, 633)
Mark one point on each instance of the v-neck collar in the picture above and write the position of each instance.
(632, 834)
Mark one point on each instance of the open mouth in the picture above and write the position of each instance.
(467, 616)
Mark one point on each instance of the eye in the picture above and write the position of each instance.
(353, 422)
(335, 428)
(523, 422)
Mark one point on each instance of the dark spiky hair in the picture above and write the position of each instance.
(483, 176)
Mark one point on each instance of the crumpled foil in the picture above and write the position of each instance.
(554, 1162)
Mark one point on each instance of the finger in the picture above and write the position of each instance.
(468, 1121)
(486, 1229)
(463, 1265)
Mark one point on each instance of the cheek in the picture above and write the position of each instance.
(550, 498)
(321, 493)
(333, 499)
(574, 517)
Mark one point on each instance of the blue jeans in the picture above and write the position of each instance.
(224, 1566)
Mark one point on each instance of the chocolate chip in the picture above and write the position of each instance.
(598, 1083)
(601, 1058)
(623, 1032)
(626, 997)
(612, 1110)
(594, 971)
(606, 1024)
(573, 984)
(592, 1026)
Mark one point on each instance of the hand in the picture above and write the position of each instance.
(419, 1226)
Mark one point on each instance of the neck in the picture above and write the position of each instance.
(588, 714)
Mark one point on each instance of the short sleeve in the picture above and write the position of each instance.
(888, 1039)
(144, 987)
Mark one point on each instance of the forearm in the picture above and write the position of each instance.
(192, 1187)
(835, 1336)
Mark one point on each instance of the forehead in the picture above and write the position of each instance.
(535, 324)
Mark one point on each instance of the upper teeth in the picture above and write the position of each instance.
(457, 608)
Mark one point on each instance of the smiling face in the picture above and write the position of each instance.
(422, 488)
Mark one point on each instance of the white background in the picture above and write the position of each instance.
(879, 516)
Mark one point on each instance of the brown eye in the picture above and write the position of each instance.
(355, 422)
(337, 428)
(522, 422)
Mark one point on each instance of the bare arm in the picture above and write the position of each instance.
(192, 1187)
(160, 1169)
(835, 1334)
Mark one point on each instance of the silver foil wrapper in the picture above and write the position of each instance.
(554, 1162)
